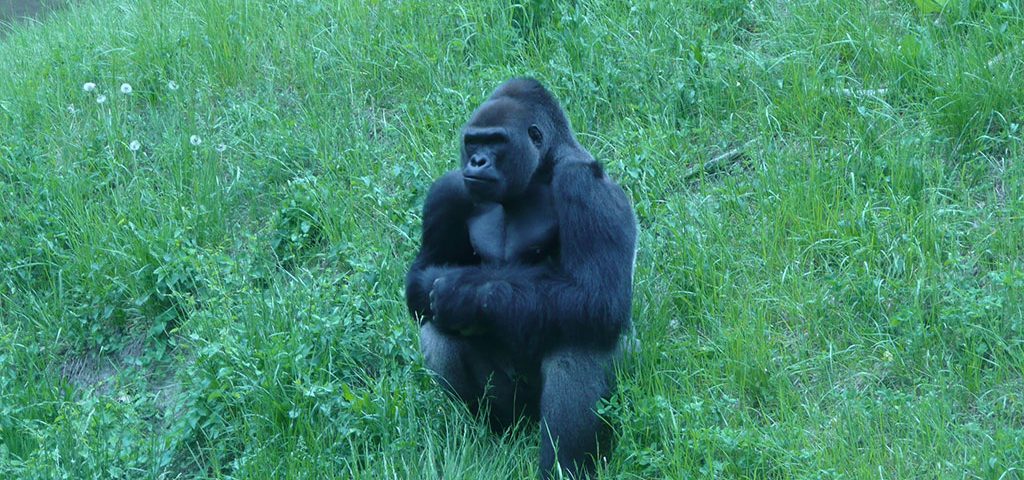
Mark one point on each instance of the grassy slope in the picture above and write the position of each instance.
(848, 303)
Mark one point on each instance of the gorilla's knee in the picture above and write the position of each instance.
(478, 373)
(439, 351)
(444, 355)
(575, 380)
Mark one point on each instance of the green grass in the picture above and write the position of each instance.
(846, 302)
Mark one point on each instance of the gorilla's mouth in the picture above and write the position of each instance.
(482, 187)
(478, 182)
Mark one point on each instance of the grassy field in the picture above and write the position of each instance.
(203, 277)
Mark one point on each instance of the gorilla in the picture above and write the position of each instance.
(523, 283)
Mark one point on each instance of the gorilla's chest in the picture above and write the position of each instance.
(525, 232)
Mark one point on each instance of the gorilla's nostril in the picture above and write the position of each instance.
(478, 160)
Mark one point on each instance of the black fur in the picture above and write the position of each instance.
(523, 284)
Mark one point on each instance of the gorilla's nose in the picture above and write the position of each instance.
(479, 161)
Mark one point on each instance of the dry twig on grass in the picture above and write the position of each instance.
(720, 162)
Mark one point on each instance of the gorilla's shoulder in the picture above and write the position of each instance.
(449, 191)
(581, 168)
(581, 182)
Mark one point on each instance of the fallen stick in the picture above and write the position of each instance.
(718, 163)
(867, 92)
(1002, 56)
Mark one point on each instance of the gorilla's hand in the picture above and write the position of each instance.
(462, 301)
(434, 287)
(419, 286)
(449, 301)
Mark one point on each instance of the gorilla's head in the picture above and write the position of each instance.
(509, 138)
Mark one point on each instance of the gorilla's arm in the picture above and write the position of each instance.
(445, 242)
(584, 299)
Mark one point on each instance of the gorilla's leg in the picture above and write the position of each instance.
(574, 381)
(477, 372)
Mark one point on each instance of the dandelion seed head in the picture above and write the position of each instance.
(195, 140)
(172, 85)
(88, 86)
(126, 88)
(134, 146)
(101, 98)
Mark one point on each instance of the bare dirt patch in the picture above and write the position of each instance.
(98, 373)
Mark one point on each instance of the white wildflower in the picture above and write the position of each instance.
(134, 146)
(172, 85)
(72, 110)
(221, 148)
(88, 86)
(126, 88)
(101, 98)
(195, 140)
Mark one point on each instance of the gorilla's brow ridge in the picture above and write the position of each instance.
(486, 135)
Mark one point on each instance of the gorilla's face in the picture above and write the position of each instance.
(501, 149)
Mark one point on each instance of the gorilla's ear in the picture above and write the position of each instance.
(535, 135)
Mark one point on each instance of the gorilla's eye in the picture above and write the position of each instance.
(535, 135)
